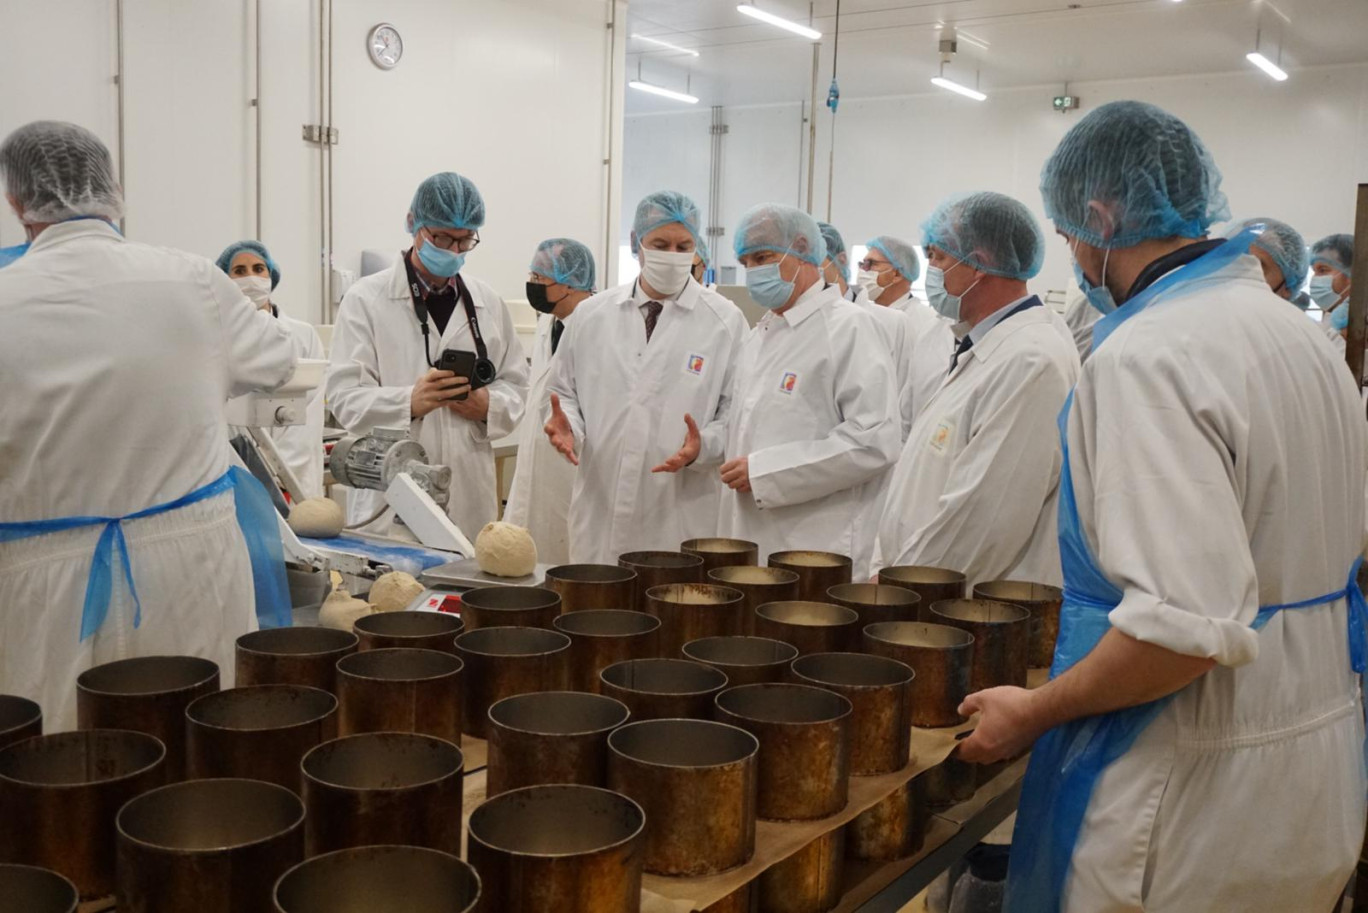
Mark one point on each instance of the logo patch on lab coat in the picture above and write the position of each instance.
(788, 383)
(695, 364)
(941, 435)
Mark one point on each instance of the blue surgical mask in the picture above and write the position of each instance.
(765, 285)
(945, 304)
(1322, 292)
(1099, 296)
(1339, 317)
(439, 262)
(9, 254)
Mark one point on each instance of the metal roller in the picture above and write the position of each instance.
(1042, 601)
(812, 627)
(696, 782)
(59, 795)
(758, 586)
(293, 656)
(688, 611)
(379, 879)
(550, 737)
(817, 571)
(809, 881)
(383, 788)
(509, 607)
(655, 569)
(942, 656)
(592, 586)
(878, 691)
(562, 848)
(803, 767)
(258, 733)
(1002, 639)
(744, 660)
(20, 718)
(502, 662)
(893, 829)
(876, 602)
(33, 890)
(409, 631)
(601, 637)
(932, 584)
(400, 691)
(207, 846)
(655, 689)
(719, 552)
(147, 694)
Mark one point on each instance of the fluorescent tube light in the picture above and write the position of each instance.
(1268, 66)
(755, 12)
(662, 92)
(665, 44)
(953, 86)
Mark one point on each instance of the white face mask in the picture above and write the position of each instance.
(256, 288)
(869, 281)
(666, 271)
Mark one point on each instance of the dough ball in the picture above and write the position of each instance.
(394, 591)
(505, 550)
(317, 518)
(340, 611)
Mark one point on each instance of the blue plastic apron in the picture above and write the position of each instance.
(255, 516)
(1067, 761)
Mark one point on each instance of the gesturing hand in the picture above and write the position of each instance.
(559, 432)
(693, 443)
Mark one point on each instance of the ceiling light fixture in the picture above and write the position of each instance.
(1263, 63)
(755, 12)
(665, 44)
(662, 91)
(955, 87)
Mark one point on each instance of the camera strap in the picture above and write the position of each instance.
(421, 312)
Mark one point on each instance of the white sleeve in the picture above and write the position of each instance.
(260, 353)
(713, 433)
(508, 393)
(355, 394)
(562, 382)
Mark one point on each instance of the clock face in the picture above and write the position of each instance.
(385, 46)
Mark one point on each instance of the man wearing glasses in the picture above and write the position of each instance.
(397, 326)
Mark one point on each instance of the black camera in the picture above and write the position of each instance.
(480, 371)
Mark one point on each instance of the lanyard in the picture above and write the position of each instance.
(421, 312)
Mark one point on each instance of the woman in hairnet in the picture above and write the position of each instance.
(250, 265)
(976, 487)
(1201, 743)
(560, 278)
(392, 330)
(123, 530)
(814, 418)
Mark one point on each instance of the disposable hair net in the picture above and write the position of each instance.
(704, 252)
(447, 200)
(1146, 168)
(225, 259)
(989, 231)
(566, 262)
(1284, 244)
(784, 229)
(1335, 251)
(662, 208)
(59, 171)
(902, 255)
(835, 247)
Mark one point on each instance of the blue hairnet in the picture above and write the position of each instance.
(902, 255)
(57, 171)
(1148, 170)
(565, 261)
(225, 259)
(447, 200)
(780, 228)
(990, 231)
(835, 246)
(663, 208)
(1336, 252)
(1284, 244)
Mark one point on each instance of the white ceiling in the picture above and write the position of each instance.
(889, 47)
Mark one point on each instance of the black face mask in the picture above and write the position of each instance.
(536, 296)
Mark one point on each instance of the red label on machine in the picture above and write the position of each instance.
(449, 603)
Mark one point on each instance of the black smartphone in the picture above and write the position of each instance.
(462, 364)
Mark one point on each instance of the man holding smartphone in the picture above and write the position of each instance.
(422, 346)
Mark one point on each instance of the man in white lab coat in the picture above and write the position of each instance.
(1332, 276)
(1202, 744)
(385, 354)
(560, 278)
(975, 489)
(641, 367)
(251, 266)
(115, 361)
(814, 418)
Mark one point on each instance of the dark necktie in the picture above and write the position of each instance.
(557, 329)
(965, 345)
(653, 309)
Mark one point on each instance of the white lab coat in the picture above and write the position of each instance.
(301, 446)
(543, 480)
(1080, 317)
(626, 400)
(815, 410)
(976, 488)
(116, 361)
(1217, 448)
(377, 357)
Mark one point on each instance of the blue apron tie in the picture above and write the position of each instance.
(255, 516)
(1067, 761)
